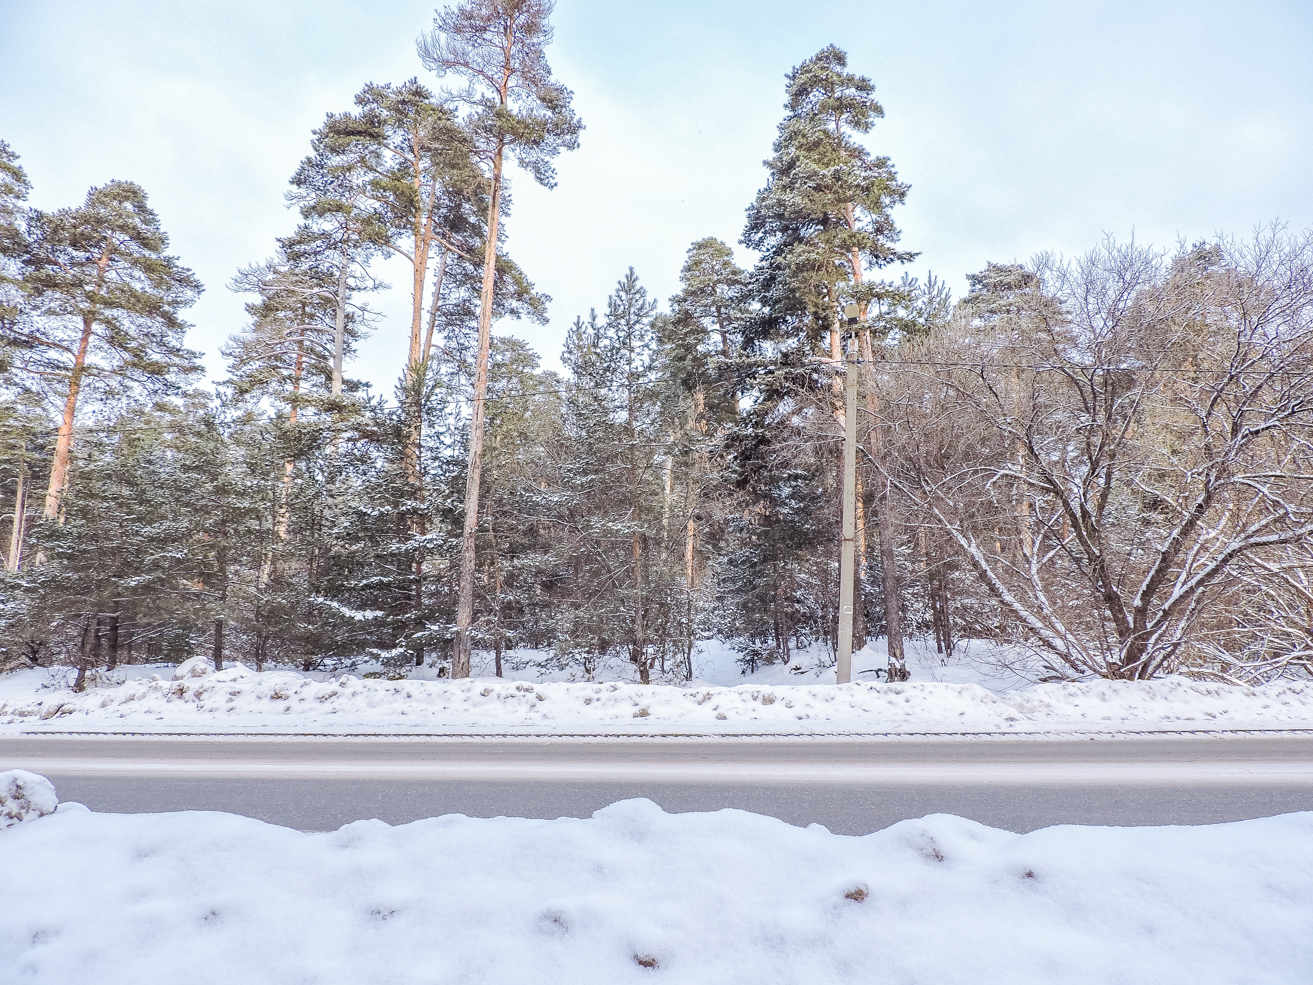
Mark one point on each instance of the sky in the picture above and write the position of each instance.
(1020, 126)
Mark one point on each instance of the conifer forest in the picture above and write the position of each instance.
(1106, 460)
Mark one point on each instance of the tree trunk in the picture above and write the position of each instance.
(415, 384)
(498, 642)
(722, 323)
(289, 466)
(667, 487)
(418, 569)
(339, 327)
(423, 236)
(15, 557)
(640, 643)
(433, 306)
(84, 654)
(883, 493)
(127, 639)
(261, 642)
(113, 661)
(860, 629)
(690, 538)
(460, 664)
(64, 443)
(945, 613)
(893, 618)
(218, 644)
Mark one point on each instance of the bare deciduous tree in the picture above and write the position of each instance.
(1113, 442)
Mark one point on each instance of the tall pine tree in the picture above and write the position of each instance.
(107, 299)
(821, 224)
(497, 48)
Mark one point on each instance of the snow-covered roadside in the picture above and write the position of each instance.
(239, 700)
(636, 895)
(718, 663)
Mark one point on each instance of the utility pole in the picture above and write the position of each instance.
(844, 671)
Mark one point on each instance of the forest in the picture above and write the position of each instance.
(1105, 461)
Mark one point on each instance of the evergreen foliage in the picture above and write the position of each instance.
(824, 215)
(1104, 460)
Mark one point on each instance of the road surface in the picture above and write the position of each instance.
(852, 786)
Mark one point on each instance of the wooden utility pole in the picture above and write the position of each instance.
(849, 542)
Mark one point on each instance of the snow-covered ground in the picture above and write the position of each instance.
(715, 662)
(636, 895)
(958, 698)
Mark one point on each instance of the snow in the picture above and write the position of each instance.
(636, 895)
(975, 696)
(238, 700)
(25, 796)
(197, 666)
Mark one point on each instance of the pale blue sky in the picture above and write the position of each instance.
(1021, 126)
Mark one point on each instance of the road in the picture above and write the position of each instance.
(852, 786)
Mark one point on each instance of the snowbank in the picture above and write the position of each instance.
(636, 895)
(239, 700)
(25, 796)
(198, 666)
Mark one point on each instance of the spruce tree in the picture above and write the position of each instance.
(523, 450)
(612, 502)
(125, 568)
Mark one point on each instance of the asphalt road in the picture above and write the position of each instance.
(852, 786)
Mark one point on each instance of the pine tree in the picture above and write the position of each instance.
(823, 218)
(290, 345)
(14, 189)
(822, 221)
(401, 165)
(411, 164)
(21, 418)
(403, 161)
(714, 302)
(106, 300)
(340, 234)
(497, 47)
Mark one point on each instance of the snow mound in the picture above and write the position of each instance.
(633, 894)
(25, 796)
(237, 699)
(194, 667)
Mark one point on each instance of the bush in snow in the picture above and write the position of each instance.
(25, 796)
(199, 666)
